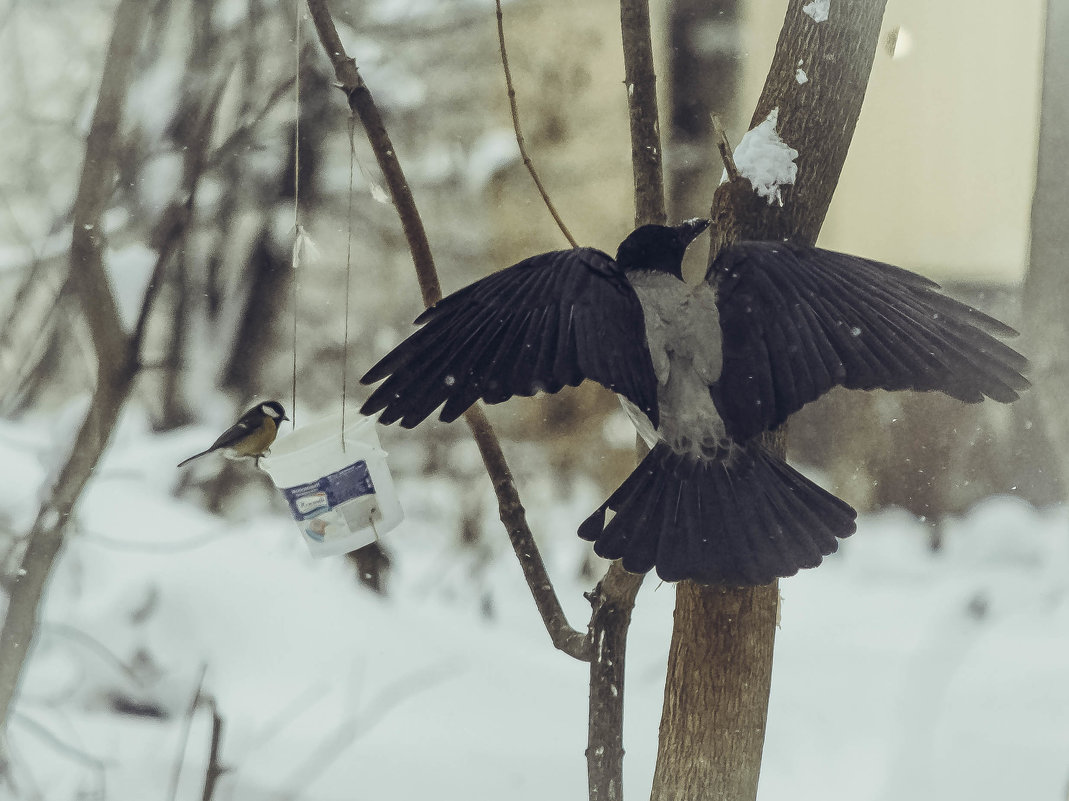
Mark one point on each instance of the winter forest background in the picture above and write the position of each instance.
(188, 646)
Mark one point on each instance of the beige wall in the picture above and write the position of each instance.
(567, 68)
(941, 169)
(940, 172)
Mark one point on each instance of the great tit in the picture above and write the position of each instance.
(251, 436)
(702, 370)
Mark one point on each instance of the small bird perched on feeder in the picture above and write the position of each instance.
(702, 371)
(251, 436)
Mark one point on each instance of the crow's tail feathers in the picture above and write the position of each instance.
(744, 519)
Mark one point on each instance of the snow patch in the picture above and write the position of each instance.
(129, 270)
(764, 159)
(818, 10)
(945, 671)
(800, 76)
(492, 152)
(900, 43)
(379, 195)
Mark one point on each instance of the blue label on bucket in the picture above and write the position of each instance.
(312, 499)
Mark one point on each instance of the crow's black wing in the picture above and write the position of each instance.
(549, 321)
(797, 321)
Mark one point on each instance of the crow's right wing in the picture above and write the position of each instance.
(545, 323)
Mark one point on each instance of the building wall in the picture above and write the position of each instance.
(940, 172)
(941, 168)
(567, 68)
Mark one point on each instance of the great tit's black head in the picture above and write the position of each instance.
(659, 247)
(274, 410)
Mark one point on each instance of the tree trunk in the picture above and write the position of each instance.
(720, 661)
(116, 353)
(730, 631)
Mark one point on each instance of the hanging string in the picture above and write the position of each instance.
(297, 243)
(348, 275)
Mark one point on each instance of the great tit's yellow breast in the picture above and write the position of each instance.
(259, 441)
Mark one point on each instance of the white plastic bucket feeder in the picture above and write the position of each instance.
(342, 498)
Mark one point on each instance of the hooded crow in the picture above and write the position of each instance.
(702, 370)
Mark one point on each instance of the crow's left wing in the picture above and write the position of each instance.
(797, 321)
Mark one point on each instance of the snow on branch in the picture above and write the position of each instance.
(765, 160)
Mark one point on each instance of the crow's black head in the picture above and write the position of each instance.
(659, 247)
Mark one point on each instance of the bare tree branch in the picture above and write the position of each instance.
(240, 136)
(117, 354)
(215, 767)
(26, 334)
(90, 643)
(116, 362)
(519, 133)
(513, 515)
(511, 509)
(60, 745)
(641, 82)
(612, 602)
(187, 724)
(179, 214)
(614, 597)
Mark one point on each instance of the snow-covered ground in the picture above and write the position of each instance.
(898, 674)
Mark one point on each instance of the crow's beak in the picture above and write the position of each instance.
(689, 230)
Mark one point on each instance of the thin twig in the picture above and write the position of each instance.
(215, 767)
(361, 102)
(333, 744)
(297, 230)
(724, 146)
(348, 277)
(240, 135)
(60, 745)
(90, 643)
(179, 214)
(187, 724)
(519, 134)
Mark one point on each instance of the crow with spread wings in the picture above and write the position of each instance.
(702, 370)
